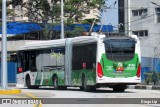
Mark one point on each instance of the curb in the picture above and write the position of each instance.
(10, 84)
(146, 87)
(8, 92)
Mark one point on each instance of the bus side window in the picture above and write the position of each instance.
(13, 58)
(77, 58)
(91, 55)
(32, 60)
(46, 58)
(39, 60)
(74, 58)
(26, 60)
(84, 54)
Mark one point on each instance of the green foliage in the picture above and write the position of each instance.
(89, 21)
(45, 11)
(79, 7)
(148, 77)
(46, 30)
(37, 10)
(77, 31)
(15, 2)
(152, 76)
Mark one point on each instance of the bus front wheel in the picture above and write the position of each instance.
(28, 83)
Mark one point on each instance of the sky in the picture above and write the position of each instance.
(111, 15)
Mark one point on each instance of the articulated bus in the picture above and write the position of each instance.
(88, 62)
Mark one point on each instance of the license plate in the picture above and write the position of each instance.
(119, 71)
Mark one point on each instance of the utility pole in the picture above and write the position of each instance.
(62, 20)
(4, 48)
(129, 18)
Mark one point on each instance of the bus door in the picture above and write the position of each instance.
(20, 69)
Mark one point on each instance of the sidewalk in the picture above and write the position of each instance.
(138, 86)
(10, 84)
(143, 86)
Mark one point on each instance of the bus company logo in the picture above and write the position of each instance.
(120, 64)
(6, 101)
(56, 55)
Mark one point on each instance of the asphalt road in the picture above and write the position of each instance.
(83, 98)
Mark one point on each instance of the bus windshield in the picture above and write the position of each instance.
(119, 49)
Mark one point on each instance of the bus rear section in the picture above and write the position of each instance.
(118, 62)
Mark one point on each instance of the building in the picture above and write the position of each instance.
(121, 14)
(93, 13)
(20, 14)
(17, 13)
(142, 18)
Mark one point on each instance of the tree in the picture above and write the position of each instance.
(10, 11)
(15, 2)
(39, 10)
(45, 11)
(76, 8)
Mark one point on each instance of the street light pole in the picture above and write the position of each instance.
(62, 20)
(4, 48)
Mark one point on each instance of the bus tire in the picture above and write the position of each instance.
(119, 88)
(55, 83)
(35, 87)
(62, 87)
(85, 87)
(93, 88)
(81, 88)
(28, 82)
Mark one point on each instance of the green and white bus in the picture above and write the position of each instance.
(88, 62)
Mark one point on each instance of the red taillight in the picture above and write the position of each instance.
(139, 71)
(99, 70)
(20, 70)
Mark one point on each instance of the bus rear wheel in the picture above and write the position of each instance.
(119, 88)
(85, 87)
(55, 83)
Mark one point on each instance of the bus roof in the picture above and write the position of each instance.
(58, 42)
(119, 37)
